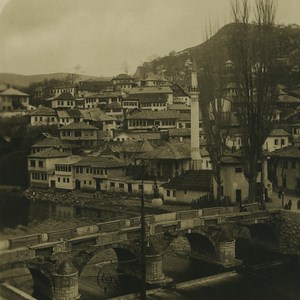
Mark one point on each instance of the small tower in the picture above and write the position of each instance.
(196, 163)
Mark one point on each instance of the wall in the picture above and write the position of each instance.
(43, 120)
(291, 174)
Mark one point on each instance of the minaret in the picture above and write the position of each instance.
(196, 163)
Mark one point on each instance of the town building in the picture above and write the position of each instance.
(91, 86)
(284, 166)
(62, 177)
(179, 95)
(80, 133)
(68, 116)
(63, 101)
(57, 90)
(43, 116)
(13, 99)
(123, 82)
(277, 139)
(154, 98)
(152, 120)
(42, 164)
(92, 172)
(188, 186)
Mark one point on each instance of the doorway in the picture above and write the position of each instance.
(238, 196)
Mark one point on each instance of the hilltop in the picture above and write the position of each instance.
(20, 81)
(173, 66)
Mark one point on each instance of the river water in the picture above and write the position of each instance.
(264, 276)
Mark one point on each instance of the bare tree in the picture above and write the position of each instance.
(125, 67)
(215, 114)
(252, 50)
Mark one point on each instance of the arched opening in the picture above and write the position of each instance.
(28, 279)
(263, 234)
(201, 246)
(176, 262)
(105, 274)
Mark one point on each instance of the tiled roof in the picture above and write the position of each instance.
(200, 180)
(184, 117)
(113, 105)
(53, 142)
(279, 132)
(154, 115)
(178, 91)
(43, 111)
(151, 90)
(179, 107)
(12, 92)
(289, 152)
(149, 98)
(288, 99)
(48, 153)
(65, 96)
(79, 125)
(179, 132)
(175, 151)
(106, 161)
(69, 113)
(123, 76)
(156, 77)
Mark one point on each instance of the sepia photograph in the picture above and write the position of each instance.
(149, 149)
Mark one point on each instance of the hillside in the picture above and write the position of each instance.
(173, 66)
(18, 80)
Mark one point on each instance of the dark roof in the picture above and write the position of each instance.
(53, 143)
(288, 152)
(106, 161)
(48, 153)
(178, 91)
(154, 115)
(79, 125)
(151, 90)
(113, 105)
(43, 111)
(200, 180)
(65, 96)
(149, 98)
(174, 151)
(179, 132)
(123, 76)
(279, 132)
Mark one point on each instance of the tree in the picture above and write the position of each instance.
(252, 49)
(215, 114)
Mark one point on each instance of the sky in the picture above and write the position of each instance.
(97, 37)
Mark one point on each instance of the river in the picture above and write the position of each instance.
(264, 276)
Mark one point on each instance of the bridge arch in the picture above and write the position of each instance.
(263, 233)
(201, 245)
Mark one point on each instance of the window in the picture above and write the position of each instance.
(168, 193)
(185, 192)
(112, 184)
(121, 185)
(32, 163)
(90, 182)
(84, 181)
(68, 180)
(64, 180)
(282, 142)
(275, 141)
(41, 164)
(174, 193)
(238, 170)
(58, 179)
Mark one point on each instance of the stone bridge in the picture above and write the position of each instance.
(56, 259)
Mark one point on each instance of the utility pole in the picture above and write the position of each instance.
(143, 228)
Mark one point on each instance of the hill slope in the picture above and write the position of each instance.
(173, 66)
(18, 80)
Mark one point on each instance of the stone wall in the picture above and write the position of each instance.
(287, 228)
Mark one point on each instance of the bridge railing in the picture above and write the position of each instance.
(117, 225)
